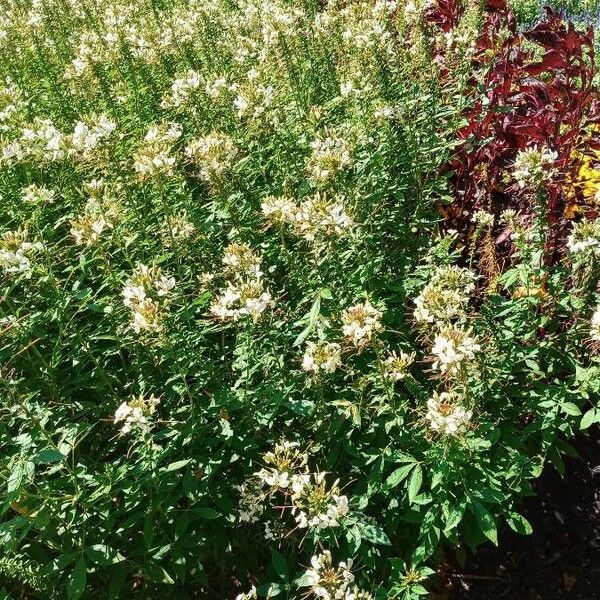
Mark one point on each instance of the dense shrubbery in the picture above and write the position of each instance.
(296, 296)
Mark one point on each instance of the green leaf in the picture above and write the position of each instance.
(571, 409)
(101, 554)
(116, 583)
(207, 513)
(374, 534)
(179, 464)
(279, 565)
(519, 523)
(414, 483)
(455, 515)
(48, 456)
(589, 418)
(77, 579)
(399, 475)
(486, 522)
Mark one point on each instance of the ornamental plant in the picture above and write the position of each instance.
(296, 297)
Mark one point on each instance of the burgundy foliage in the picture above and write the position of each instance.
(520, 99)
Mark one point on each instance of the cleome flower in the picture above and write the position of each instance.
(279, 210)
(317, 506)
(321, 357)
(250, 595)
(533, 166)
(360, 323)
(445, 297)
(37, 194)
(320, 216)
(446, 415)
(89, 134)
(325, 580)
(244, 294)
(483, 218)
(135, 413)
(98, 215)
(585, 238)
(396, 365)
(453, 348)
(213, 156)
(146, 295)
(251, 506)
(284, 466)
(153, 157)
(329, 155)
(16, 252)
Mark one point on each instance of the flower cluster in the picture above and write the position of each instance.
(329, 155)
(98, 215)
(40, 142)
(332, 583)
(135, 412)
(88, 135)
(146, 295)
(315, 218)
(453, 349)
(213, 155)
(153, 158)
(396, 365)
(252, 99)
(250, 595)
(533, 166)
(37, 194)
(322, 357)
(279, 210)
(16, 252)
(244, 294)
(445, 297)
(181, 89)
(585, 238)
(284, 464)
(446, 414)
(316, 505)
(360, 323)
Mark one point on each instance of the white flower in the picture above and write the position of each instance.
(164, 285)
(251, 595)
(325, 580)
(329, 155)
(319, 216)
(133, 294)
(585, 237)
(452, 348)
(324, 357)
(317, 506)
(135, 413)
(446, 414)
(279, 210)
(483, 218)
(533, 166)
(445, 297)
(396, 365)
(214, 155)
(37, 193)
(360, 323)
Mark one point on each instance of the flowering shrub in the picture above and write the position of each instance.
(296, 296)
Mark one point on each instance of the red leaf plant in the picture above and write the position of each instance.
(526, 90)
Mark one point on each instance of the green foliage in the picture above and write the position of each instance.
(212, 368)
